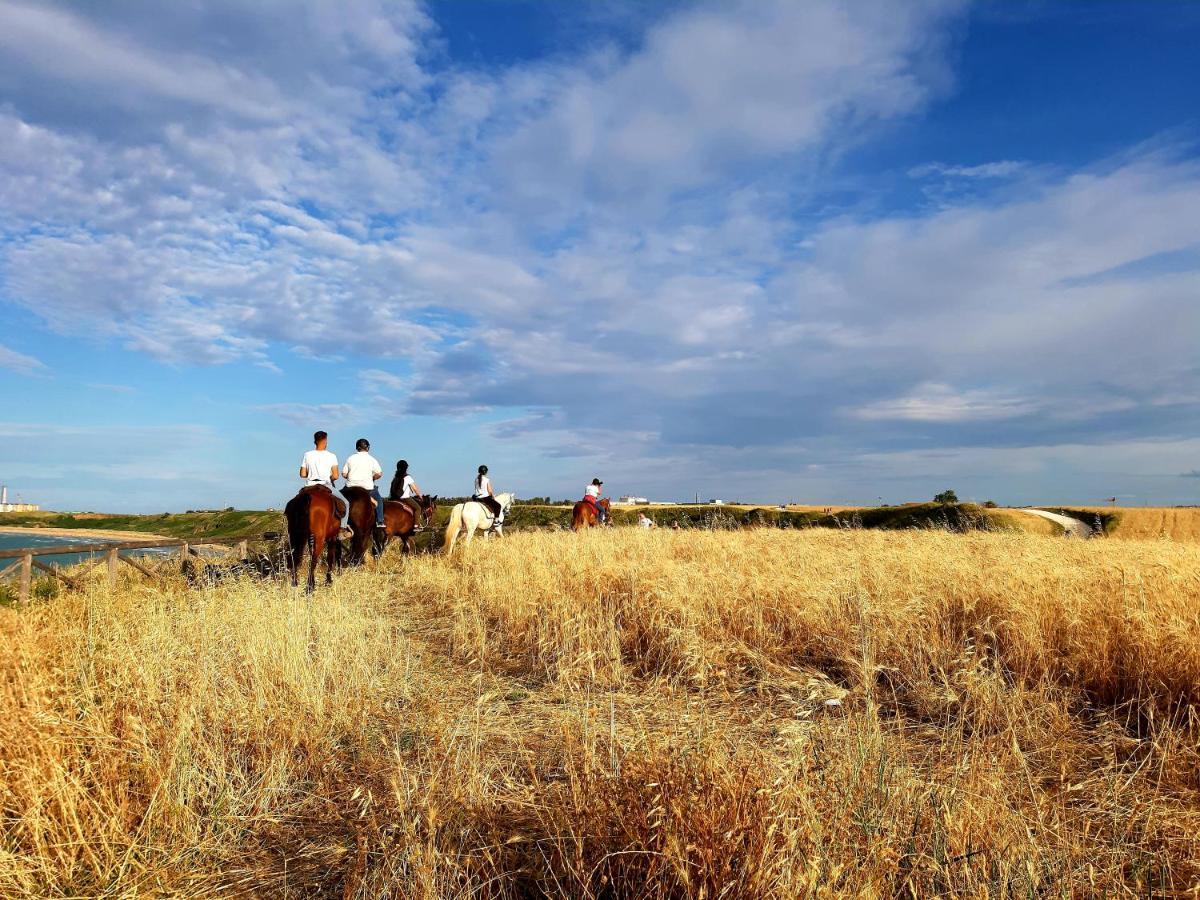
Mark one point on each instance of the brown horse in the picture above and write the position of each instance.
(583, 515)
(399, 519)
(314, 521)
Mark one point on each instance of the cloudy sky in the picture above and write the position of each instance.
(814, 251)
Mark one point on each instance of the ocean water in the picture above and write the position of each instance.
(31, 539)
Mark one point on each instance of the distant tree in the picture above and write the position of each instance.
(945, 497)
(990, 504)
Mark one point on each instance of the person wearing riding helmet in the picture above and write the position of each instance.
(405, 489)
(484, 494)
(592, 495)
(362, 470)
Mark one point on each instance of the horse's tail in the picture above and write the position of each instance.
(453, 527)
(296, 513)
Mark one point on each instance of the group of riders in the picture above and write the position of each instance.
(319, 469)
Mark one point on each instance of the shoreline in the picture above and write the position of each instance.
(84, 533)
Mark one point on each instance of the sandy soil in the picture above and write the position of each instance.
(86, 533)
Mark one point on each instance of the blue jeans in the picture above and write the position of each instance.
(379, 510)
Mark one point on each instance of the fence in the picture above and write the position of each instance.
(26, 563)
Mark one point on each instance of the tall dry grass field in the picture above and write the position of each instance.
(1175, 523)
(621, 714)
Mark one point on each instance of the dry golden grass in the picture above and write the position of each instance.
(1179, 524)
(621, 714)
(1015, 520)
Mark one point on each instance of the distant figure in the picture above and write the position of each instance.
(592, 494)
(645, 521)
(362, 471)
(405, 489)
(484, 494)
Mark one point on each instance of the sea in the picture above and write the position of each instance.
(32, 539)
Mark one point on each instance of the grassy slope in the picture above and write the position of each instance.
(215, 524)
(621, 714)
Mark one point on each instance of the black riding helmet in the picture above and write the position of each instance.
(483, 470)
(362, 445)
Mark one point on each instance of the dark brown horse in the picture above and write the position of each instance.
(399, 519)
(583, 515)
(314, 521)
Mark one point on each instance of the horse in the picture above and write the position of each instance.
(472, 515)
(583, 514)
(398, 519)
(313, 522)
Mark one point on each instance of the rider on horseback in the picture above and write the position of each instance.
(592, 495)
(362, 470)
(405, 489)
(484, 495)
(319, 468)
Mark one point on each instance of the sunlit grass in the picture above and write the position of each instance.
(620, 714)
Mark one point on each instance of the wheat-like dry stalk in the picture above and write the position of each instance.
(620, 714)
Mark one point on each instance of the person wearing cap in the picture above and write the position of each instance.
(363, 470)
(592, 495)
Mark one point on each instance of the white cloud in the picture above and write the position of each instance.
(323, 415)
(20, 363)
(618, 236)
(942, 403)
(1004, 168)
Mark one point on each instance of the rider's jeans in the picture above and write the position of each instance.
(379, 510)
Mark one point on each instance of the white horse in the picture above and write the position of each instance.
(472, 515)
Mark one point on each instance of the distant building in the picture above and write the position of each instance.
(716, 502)
(5, 506)
(630, 500)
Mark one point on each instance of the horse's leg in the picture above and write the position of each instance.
(314, 548)
(334, 558)
(295, 553)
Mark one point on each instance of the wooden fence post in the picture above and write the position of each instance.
(112, 567)
(243, 549)
(183, 555)
(26, 577)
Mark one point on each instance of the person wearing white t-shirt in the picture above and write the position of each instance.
(405, 490)
(319, 468)
(362, 470)
(484, 494)
(645, 521)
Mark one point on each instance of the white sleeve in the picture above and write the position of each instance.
(377, 470)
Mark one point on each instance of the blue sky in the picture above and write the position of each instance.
(766, 250)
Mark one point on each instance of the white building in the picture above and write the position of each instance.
(630, 500)
(5, 506)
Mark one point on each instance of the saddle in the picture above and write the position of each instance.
(339, 505)
(487, 511)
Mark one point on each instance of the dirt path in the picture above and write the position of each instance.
(1073, 527)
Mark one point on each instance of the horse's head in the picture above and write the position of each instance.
(428, 506)
(605, 504)
(506, 501)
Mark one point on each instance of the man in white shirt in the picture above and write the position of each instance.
(362, 470)
(319, 467)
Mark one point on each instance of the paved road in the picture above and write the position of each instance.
(1073, 527)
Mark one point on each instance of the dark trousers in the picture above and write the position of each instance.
(379, 510)
(491, 503)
